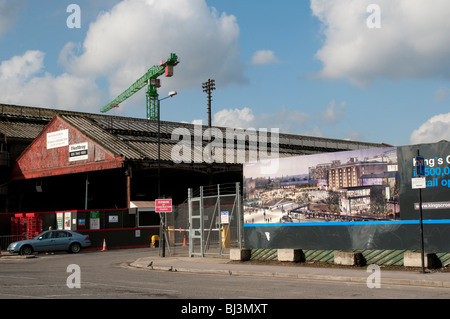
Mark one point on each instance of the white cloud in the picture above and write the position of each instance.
(333, 113)
(263, 57)
(412, 42)
(433, 130)
(23, 81)
(318, 124)
(8, 13)
(20, 68)
(441, 94)
(120, 46)
(287, 121)
(136, 34)
(236, 118)
(315, 131)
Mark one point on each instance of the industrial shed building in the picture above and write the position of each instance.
(56, 160)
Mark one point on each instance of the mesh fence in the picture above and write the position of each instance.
(218, 207)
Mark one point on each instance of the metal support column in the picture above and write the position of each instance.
(219, 217)
(191, 229)
(240, 217)
(194, 231)
(202, 223)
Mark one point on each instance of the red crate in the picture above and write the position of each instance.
(16, 226)
(29, 226)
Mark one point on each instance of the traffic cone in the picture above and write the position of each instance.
(104, 245)
(184, 241)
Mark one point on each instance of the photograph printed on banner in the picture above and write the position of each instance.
(359, 185)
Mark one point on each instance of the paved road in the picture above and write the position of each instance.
(108, 275)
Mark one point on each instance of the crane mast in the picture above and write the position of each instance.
(149, 79)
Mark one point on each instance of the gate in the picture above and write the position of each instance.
(215, 219)
(210, 222)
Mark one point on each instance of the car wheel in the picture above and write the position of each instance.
(25, 250)
(74, 248)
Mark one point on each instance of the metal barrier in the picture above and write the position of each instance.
(6, 240)
(215, 220)
(208, 222)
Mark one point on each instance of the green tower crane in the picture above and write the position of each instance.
(151, 80)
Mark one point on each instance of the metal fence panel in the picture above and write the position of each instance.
(6, 240)
(209, 222)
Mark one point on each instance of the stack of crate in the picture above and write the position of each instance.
(28, 225)
(34, 225)
(17, 228)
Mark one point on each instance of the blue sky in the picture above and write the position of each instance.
(306, 67)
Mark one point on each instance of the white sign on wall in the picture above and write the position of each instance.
(94, 223)
(67, 218)
(78, 152)
(113, 219)
(57, 139)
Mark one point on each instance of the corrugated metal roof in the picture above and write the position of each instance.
(137, 139)
(142, 204)
(104, 138)
(18, 129)
(150, 150)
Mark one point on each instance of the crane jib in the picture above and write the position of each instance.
(152, 73)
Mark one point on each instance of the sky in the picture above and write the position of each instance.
(362, 70)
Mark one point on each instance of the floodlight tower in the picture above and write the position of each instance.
(209, 86)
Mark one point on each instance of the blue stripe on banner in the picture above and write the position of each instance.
(381, 222)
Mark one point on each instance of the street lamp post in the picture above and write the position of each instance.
(163, 246)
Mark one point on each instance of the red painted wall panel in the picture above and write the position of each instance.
(38, 160)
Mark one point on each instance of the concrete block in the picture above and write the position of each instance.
(290, 255)
(414, 259)
(243, 254)
(349, 258)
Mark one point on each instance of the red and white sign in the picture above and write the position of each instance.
(163, 205)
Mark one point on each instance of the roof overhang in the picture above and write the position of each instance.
(143, 206)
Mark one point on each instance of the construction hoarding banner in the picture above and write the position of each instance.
(360, 199)
(436, 199)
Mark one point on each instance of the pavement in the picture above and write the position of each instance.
(365, 275)
(302, 271)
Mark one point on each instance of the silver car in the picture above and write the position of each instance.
(51, 240)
